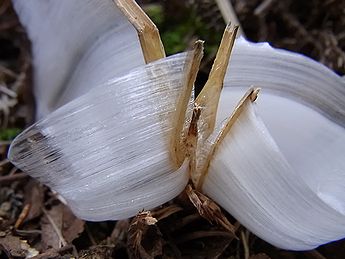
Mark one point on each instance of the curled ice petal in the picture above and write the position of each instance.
(282, 176)
(76, 44)
(107, 152)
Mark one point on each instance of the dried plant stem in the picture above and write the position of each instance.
(249, 97)
(5, 143)
(4, 162)
(244, 238)
(229, 14)
(22, 216)
(314, 254)
(264, 5)
(11, 178)
(13, 171)
(178, 148)
(208, 99)
(148, 33)
(209, 210)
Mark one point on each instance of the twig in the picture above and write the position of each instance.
(245, 245)
(301, 31)
(29, 232)
(7, 71)
(22, 216)
(229, 14)
(5, 142)
(57, 230)
(13, 171)
(314, 254)
(4, 162)
(149, 37)
(263, 7)
(7, 91)
(11, 178)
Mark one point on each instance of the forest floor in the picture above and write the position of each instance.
(33, 222)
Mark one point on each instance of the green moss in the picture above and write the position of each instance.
(156, 13)
(9, 134)
(178, 33)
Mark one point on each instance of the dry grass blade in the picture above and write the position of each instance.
(209, 210)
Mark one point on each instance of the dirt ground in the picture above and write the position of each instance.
(34, 222)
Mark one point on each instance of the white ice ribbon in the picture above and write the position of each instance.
(76, 45)
(283, 175)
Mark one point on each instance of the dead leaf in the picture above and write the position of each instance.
(15, 247)
(59, 227)
(11, 245)
(97, 252)
(51, 225)
(72, 226)
(209, 210)
(68, 251)
(34, 196)
(144, 238)
(119, 233)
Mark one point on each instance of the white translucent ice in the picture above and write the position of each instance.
(107, 152)
(250, 177)
(76, 45)
(281, 170)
